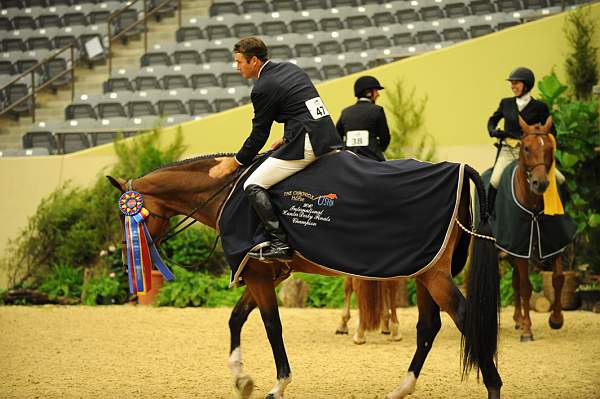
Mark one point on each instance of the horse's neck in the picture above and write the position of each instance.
(185, 189)
(525, 196)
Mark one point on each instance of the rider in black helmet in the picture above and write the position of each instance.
(532, 111)
(363, 126)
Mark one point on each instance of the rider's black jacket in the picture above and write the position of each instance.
(284, 93)
(534, 112)
(364, 115)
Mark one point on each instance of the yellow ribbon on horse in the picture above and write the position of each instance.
(552, 203)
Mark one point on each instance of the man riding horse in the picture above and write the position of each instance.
(531, 110)
(283, 92)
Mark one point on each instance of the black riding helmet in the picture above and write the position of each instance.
(365, 83)
(524, 75)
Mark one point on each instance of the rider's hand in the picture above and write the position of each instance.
(498, 133)
(277, 144)
(224, 167)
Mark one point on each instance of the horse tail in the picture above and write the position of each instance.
(480, 333)
(370, 301)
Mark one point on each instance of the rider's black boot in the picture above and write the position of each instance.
(491, 199)
(279, 248)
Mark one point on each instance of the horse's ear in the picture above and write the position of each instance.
(118, 183)
(548, 125)
(526, 128)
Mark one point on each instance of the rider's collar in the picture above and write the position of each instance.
(261, 68)
(523, 101)
(365, 99)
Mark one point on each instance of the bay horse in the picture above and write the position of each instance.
(536, 156)
(377, 302)
(189, 188)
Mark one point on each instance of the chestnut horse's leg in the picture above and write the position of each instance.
(522, 267)
(343, 327)
(393, 287)
(387, 307)
(427, 328)
(556, 319)
(516, 285)
(243, 384)
(260, 279)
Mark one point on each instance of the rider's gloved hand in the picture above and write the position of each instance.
(498, 133)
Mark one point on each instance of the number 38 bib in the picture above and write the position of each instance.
(316, 108)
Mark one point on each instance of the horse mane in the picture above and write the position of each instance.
(187, 161)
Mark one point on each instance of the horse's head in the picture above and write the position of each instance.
(537, 154)
(158, 220)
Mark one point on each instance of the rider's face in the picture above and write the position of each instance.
(247, 68)
(517, 87)
(374, 95)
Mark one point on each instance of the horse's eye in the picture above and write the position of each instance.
(526, 149)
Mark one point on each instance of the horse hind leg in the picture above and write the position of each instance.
(343, 326)
(243, 384)
(556, 319)
(427, 328)
(394, 286)
(385, 316)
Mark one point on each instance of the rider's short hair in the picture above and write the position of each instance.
(252, 47)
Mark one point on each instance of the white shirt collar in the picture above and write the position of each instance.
(365, 99)
(523, 101)
(261, 68)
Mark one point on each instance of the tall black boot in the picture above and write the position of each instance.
(491, 199)
(279, 248)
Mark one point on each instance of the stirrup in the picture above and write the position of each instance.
(270, 252)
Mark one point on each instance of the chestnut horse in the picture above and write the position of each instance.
(377, 302)
(536, 156)
(186, 188)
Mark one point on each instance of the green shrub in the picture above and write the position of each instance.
(192, 248)
(324, 292)
(582, 63)
(197, 289)
(106, 289)
(506, 290)
(578, 132)
(63, 280)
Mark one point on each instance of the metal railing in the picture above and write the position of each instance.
(144, 21)
(34, 89)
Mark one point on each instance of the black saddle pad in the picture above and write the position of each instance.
(519, 231)
(353, 215)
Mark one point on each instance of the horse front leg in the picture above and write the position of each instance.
(343, 327)
(556, 319)
(242, 383)
(387, 306)
(525, 290)
(260, 282)
(517, 315)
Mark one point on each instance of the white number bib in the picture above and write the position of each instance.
(316, 108)
(357, 138)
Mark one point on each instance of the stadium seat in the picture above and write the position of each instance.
(284, 5)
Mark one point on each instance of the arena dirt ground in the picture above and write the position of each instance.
(144, 352)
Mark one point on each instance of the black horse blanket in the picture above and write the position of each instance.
(519, 231)
(353, 215)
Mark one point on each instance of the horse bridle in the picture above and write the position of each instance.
(529, 170)
(172, 232)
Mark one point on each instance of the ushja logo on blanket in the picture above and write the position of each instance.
(303, 196)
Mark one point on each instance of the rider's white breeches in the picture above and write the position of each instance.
(505, 157)
(274, 170)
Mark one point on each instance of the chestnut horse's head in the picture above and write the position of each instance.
(537, 154)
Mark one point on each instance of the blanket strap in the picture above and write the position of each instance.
(473, 233)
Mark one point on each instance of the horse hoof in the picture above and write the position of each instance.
(359, 341)
(385, 332)
(517, 326)
(340, 332)
(555, 325)
(526, 338)
(244, 386)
